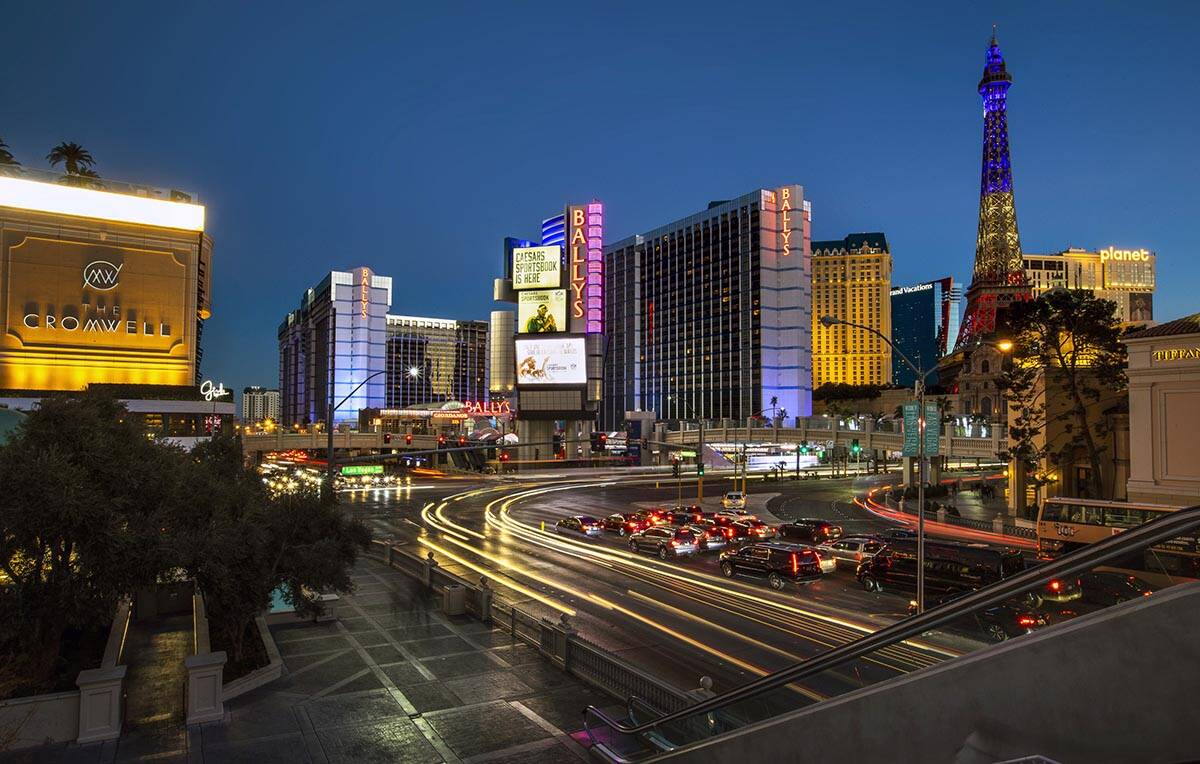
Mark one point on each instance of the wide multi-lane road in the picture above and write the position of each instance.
(679, 619)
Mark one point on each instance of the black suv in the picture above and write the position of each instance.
(996, 623)
(810, 530)
(778, 563)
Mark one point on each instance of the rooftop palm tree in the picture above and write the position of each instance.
(6, 157)
(73, 157)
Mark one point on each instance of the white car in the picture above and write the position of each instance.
(734, 500)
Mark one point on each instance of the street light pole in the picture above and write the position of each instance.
(333, 408)
(919, 390)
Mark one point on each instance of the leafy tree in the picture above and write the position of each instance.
(82, 511)
(241, 543)
(1067, 342)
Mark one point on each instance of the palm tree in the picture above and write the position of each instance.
(6, 157)
(74, 158)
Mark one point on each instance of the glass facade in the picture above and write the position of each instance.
(707, 317)
(435, 360)
(924, 319)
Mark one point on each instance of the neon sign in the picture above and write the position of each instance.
(211, 391)
(585, 237)
(1136, 255)
(364, 299)
(487, 408)
(785, 220)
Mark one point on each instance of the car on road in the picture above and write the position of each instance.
(1057, 590)
(665, 542)
(725, 529)
(649, 517)
(810, 529)
(1111, 587)
(710, 537)
(996, 623)
(734, 500)
(685, 515)
(779, 564)
(949, 566)
(579, 524)
(752, 528)
(624, 523)
(899, 533)
(850, 550)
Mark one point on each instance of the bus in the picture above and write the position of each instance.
(1065, 525)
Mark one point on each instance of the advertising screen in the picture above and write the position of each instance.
(542, 311)
(537, 268)
(76, 312)
(558, 361)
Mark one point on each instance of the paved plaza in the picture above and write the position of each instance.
(391, 680)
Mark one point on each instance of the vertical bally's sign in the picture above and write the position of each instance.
(785, 221)
(364, 294)
(585, 262)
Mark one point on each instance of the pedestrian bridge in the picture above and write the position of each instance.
(884, 435)
(254, 445)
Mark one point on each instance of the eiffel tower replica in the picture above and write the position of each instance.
(999, 277)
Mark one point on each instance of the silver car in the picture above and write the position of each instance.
(849, 550)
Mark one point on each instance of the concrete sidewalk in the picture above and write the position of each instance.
(391, 680)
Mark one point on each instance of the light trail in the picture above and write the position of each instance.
(514, 585)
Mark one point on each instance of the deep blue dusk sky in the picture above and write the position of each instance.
(331, 135)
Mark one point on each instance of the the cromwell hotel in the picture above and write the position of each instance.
(709, 316)
(106, 284)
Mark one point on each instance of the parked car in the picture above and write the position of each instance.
(1111, 587)
(851, 550)
(949, 566)
(751, 528)
(579, 524)
(779, 564)
(709, 537)
(810, 529)
(734, 500)
(665, 542)
(996, 623)
(624, 523)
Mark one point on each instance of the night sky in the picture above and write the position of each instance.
(331, 135)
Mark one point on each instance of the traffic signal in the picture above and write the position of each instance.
(408, 438)
(462, 440)
(441, 440)
(387, 437)
(599, 441)
(674, 468)
(700, 469)
(504, 456)
(804, 447)
(855, 448)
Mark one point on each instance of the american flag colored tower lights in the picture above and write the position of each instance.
(999, 276)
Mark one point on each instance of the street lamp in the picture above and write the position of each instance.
(699, 445)
(329, 422)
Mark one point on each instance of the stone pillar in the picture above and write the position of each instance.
(205, 677)
(100, 698)
(1018, 482)
(485, 600)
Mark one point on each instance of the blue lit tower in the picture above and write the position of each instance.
(999, 277)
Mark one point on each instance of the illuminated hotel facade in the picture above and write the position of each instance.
(708, 317)
(106, 285)
(852, 280)
(342, 341)
(1123, 276)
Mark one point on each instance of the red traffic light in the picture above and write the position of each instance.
(504, 456)
(408, 439)
(462, 441)
(441, 440)
(387, 437)
(604, 437)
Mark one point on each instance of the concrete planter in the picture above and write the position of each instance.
(257, 678)
(87, 715)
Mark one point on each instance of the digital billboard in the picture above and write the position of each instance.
(78, 312)
(551, 361)
(537, 268)
(542, 311)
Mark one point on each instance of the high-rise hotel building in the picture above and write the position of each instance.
(259, 404)
(342, 335)
(1123, 276)
(708, 316)
(851, 280)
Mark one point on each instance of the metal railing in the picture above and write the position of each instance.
(648, 733)
(619, 679)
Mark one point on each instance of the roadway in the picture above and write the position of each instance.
(678, 619)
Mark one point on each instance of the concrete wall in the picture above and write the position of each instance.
(39, 719)
(1118, 685)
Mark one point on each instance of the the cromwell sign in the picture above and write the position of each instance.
(76, 312)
